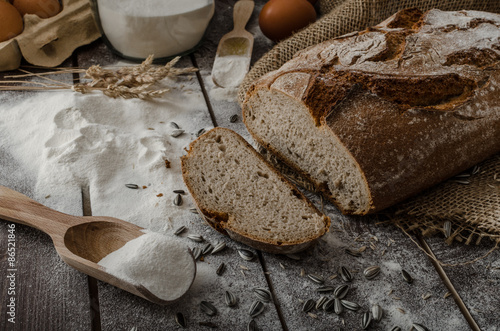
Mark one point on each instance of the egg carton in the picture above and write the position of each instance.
(47, 42)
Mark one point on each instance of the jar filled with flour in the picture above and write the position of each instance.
(165, 28)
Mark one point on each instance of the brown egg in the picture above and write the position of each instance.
(11, 22)
(42, 8)
(278, 19)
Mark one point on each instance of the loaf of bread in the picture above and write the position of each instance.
(376, 116)
(238, 193)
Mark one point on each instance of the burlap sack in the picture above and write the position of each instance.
(471, 204)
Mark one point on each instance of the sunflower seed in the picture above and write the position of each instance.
(200, 132)
(321, 301)
(341, 291)
(324, 289)
(316, 278)
(178, 200)
(180, 230)
(230, 299)
(208, 308)
(252, 326)
(218, 247)
(328, 306)
(464, 175)
(132, 186)
(345, 274)
(180, 191)
(179, 319)
(447, 229)
(193, 210)
(176, 133)
(377, 313)
(308, 305)
(366, 320)
(475, 170)
(463, 182)
(262, 294)
(134, 328)
(352, 253)
(174, 125)
(246, 254)
(196, 253)
(426, 296)
(396, 328)
(338, 307)
(256, 309)
(406, 276)
(371, 272)
(207, 249)
(195, 237)
(233, 118)
(419, 327)
(350, 305)
(220, 269)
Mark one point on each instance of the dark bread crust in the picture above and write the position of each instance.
(429, 102)
(220, 220)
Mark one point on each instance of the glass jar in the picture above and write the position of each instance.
(135, 29)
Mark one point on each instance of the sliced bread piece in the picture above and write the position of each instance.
(240, 194)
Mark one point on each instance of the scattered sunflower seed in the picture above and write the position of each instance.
(132, 186)
(377, 313)
(371, 272)
(256, 309)
(447, 229)
(230, 299)
(195, 237)
(341, 291)
(321, 301)
(396, 328)
(174, 125)
(406, 276)
(218, 247)
(262, 294)
(196, 253)
(246, 254)
(338, 307)
(233, 118)
(308, 305)
(312, 315)
(178, 200)
(366, 320)
(208, 308)
(345, 274)
(252, 326)
(316, 278)
(352, 253)
(134, 328)
(328, 306)
(463, 182)
(464, 175)
(419, 327)
(179, 319)
(200, 132)
(447, 294)
(302, 272)
(207, 249)
(426, 296)
(193, 210)
(350, 305)
(324, 289)
(180, 191)
(220, 269)
(475, 170)
(180, 230)
(176, 133)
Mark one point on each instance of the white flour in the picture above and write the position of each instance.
(160, 27)
(230, 70)
(161, 264)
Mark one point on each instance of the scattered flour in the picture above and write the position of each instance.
(161, 264)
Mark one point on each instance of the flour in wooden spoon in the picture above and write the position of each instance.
(161, 264)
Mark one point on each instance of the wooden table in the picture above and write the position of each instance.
(52, 296)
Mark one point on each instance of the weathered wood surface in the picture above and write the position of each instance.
(52, 296)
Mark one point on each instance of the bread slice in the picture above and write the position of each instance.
(238, 193)
(377, 116)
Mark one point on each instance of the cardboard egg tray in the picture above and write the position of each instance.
(48, 42)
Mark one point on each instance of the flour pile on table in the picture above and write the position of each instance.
(66, 141)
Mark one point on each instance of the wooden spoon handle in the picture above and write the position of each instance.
(18, 208)
(241, 14)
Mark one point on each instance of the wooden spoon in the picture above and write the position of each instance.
(80, 241)
(238, 42)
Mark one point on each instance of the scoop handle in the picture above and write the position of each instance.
(18, 208)
(241, 14)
